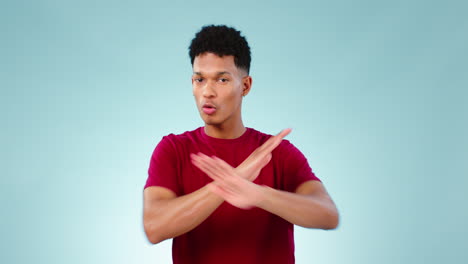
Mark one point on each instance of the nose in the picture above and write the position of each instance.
(208, 90)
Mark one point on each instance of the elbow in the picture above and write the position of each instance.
(327, 220)
(332, 220)
(154, 239)
(153, 235)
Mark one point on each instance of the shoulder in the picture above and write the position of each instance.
(182, 138)
(258, 135)
(173, 142)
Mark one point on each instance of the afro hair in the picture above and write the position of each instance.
(222, 41)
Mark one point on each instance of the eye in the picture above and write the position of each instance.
(223, 80)
(199, 80)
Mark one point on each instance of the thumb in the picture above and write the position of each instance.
(264, 161)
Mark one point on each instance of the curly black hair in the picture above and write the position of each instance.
(221, 40)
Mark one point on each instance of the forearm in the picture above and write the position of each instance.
(303, 210)
(164, 219)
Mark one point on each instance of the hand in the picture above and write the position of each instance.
(250, 168)
(227, 183)
(235, 184)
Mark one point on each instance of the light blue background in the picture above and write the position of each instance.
(375, 92)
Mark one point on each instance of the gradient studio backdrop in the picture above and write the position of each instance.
(376, 92)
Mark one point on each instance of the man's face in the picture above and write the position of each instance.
(218, 87)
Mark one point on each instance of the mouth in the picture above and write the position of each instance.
(209, 109)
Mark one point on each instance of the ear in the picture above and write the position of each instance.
(246, 85)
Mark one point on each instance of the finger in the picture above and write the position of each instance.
(222, 176)
(220, 181)
(283, 133)
(207, 160)
(274, 141)
(224, 185)
(205, 166)
(230, 179)
(266, 148)
(215, 163)
(221, 164)
(219, 191)
(220, 171)
(266, 160)
(231, 176)
(227, 196)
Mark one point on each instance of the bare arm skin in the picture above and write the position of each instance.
(309, 206)
(166, 216)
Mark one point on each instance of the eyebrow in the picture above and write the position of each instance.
(217, 74)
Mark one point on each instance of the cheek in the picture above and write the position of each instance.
(196, 93)
(235, 98)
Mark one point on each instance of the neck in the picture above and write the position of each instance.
(225, 132)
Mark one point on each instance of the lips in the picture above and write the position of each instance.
(209, 109)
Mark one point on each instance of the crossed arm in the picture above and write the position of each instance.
(166, 215)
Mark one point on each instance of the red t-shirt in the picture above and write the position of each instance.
(230, 234)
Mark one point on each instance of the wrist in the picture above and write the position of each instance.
(245, 173)
(209, 190)
(264, 196)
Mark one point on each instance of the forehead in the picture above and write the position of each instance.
(211, 63)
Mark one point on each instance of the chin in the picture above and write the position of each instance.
(211, 122)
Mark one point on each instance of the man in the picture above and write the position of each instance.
(224, 192)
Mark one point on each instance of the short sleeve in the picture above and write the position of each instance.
(295, 167)
(162, 169)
